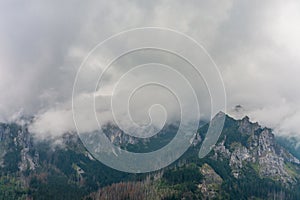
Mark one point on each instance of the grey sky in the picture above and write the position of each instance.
(256, 44)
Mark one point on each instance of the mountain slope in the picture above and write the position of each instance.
(246, 163)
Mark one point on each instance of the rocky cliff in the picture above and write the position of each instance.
(257, 147)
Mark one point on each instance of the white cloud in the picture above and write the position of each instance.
(256, 45)
(52, 123)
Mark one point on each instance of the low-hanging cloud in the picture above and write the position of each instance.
(254, 43)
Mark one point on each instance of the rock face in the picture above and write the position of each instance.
(255, 146)
(245, 126)
(211, 182)
(117, 136)
(17, 140)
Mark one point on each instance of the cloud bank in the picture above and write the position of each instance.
(255, 44)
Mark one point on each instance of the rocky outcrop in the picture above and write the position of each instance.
(17, 139)
(211, 182)
(245, 126)
(260, 151)
(237, 158)
(118, 137)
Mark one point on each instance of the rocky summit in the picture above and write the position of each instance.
(257, 147)
(247, 162)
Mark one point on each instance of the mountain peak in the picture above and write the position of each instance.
(246, 144)
(246, 118)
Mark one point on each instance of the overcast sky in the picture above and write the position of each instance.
(255, 44)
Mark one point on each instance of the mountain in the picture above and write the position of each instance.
(248, 162)
(291, 144)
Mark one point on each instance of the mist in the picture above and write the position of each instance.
(255, 45)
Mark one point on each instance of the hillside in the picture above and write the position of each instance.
(246, 163)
